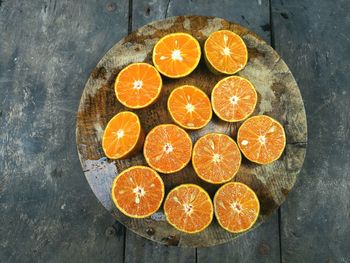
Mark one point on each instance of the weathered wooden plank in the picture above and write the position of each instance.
(253, 14)
(313, 38)
(260, 245)
(139, 249)
(48, 49)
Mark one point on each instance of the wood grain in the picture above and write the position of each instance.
(313, 37)
(279, 97)
(48, 49)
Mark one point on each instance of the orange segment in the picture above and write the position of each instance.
(236, 207)
(123, 136)
(167, 148)
(261, 139)
(138, 85)
(226, 52)
(189, 107)
(188, 208)
(138, 191)
(216, 158)
(176, 55)
(233, 99)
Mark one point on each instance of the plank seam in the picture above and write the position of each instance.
(272, 35)
(167, 9)
(124, 241)
(272, 42)
(130, 17)
(280, 232)
(129, 31)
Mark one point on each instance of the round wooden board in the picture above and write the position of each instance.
(278, 97)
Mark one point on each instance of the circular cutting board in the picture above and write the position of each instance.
(278, 97)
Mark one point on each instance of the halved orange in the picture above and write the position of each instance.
(167, 148)
(188, 208)
(176, 55)
(225, 52)
(138, 191)
(261, 139)
(233, 99)
(236, 207)
(216, 158)
(122, 136)
(138, 85)
(189, 107)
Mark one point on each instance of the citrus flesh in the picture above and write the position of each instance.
(225, 52)
(167, 148)
(233, 99)
(138, 85)
(236, 207)
(138, 191)
(188, 208)
(261, 139)
(216, 158)
(122, 136)
(189, 107)
(176, 55)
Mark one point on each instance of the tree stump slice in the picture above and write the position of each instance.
(278, 97)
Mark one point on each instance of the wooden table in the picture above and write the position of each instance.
(47, 51)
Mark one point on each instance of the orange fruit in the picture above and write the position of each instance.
(189, 107)
(188, 208)
(216, 158)
(138, 85)
(167, 148)
(225, 52)
(261, 139)
(236, 207)
(122, 136)
(176, 55)
(233, 99)
(138, 191)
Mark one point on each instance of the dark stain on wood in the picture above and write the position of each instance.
(150, 231)
(264, 249)
(99, 72)
(148, 11)
(278, 96)
(285, 191)
(57, 172)
(284, 15)
(254, 53)
(266, 27)
(171, 240)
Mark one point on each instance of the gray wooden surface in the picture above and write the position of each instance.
(47, 51)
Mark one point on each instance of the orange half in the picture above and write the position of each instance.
(122, 136)
(216, 158)
(233, 99)
(226, 52)
(188, 208)
(138, 191)
(236, 207)
(189, 107)
(167, 148)
(138, 85)
(176, 55)
(261, 139)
